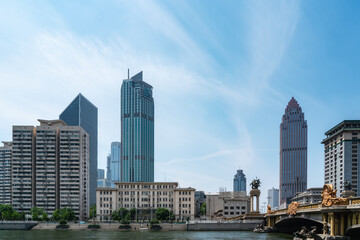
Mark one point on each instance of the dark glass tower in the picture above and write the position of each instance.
(137, 130)
(239, 181)
(293, 152)
(81, 112)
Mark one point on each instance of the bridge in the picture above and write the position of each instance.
(334, 216)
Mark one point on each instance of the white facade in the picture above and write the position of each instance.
(309, 196)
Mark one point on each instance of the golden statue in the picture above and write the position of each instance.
(292, 208)
(269, 210)
(329, 198)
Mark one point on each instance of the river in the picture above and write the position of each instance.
(136, 235)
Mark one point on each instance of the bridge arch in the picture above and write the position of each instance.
(293, 224)
(353, 231)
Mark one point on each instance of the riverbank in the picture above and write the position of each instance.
(112, 226)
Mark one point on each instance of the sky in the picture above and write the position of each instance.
(222, 74)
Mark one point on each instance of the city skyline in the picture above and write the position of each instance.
(221, 79)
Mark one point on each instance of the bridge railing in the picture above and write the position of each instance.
(354, 201)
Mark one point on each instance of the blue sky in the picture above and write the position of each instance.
(222, 71)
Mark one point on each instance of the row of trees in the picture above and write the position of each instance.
(37, 214)
(125, 216)
(8, 213)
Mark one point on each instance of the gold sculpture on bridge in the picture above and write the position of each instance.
(269, 210)
(329, 198)
(293, 208)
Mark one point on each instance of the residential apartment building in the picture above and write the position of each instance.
(309, 196)
(81, 112)
(342, 158)
(146, 197)
(5, 173)
(293, 153)
(23, 163)
(137, 130)
(50, 168)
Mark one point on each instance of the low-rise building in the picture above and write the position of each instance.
(309, 196)
(146, 197)
(227, 204)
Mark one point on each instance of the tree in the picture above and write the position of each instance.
(162, 214)
(92, 211)
(203, 209)
(56, 215)
(132, 213)
(64, 214)
(120, 214)
(36, 212)
(44, 217)
(6, 212)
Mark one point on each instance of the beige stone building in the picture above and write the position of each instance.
(225, 205)
(146, 197)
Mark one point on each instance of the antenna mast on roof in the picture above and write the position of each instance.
(128, 74)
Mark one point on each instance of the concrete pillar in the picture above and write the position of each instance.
(353, 218)
(325, 221)
(349, 220)
(342, 224)
(336, 222)
(332, 224)
(252, 204)
(257, 203)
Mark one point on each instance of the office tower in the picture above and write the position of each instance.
(342, 158)
(5, 173)
(115, 161)
(23, 163)
(81, 112)
(137, 130)
(293, 153)
(108, 169)
(101, 174)
(273, 198)
(239, 181)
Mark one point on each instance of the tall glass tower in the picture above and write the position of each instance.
(293, 153)
(81, 112)
(115, 164)
(239, 181)
(137, 130)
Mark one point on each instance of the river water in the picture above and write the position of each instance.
(136, 235)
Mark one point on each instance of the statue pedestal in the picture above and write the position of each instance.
(254, 193)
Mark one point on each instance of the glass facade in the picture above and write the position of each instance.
(137, 130)
(239, 181)
(81, 112)
(293, 153)
(115, 161)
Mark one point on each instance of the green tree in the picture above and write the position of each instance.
(162, 214)
(56, 215)
(203, 209)
(36, 212)
(92, 211)
(44, 217)
(132, 213)
(67, 214)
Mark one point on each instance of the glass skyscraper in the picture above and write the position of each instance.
(293, 153)
(81, 112)
(115, 161)
(137, 130)
(239, 181)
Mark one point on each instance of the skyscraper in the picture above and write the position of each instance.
(293, 153)
(100, 173)
(81, 112)
(273, 198)
(137, 130)
(342, 158)
(239, 181)
(115, 164)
